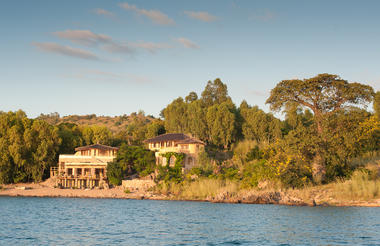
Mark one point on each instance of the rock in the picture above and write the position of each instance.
(263, 198)
(23, 188)
(314, 203)
(194, 176)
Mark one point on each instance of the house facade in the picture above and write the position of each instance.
(87, 168)
(178, 143)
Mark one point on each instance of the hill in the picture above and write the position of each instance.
(113, 123)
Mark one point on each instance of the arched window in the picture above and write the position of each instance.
(190, 161)
(172, 161)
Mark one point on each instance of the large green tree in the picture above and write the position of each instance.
(215, 92)
(221, 123)
(325, 95)
(28, 148)
(258, 125)
(175, 116)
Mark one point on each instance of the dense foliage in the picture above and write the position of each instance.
(131, 160)
(28, 148)
(326, 127)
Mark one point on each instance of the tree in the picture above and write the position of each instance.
(155, 128)
(135, 159)
(96, 135)
(215, 93)
(324, 94)
(71, 137)
(196, 115)
(221, 123)
(28, 148)
(191, 97)
(258, 125)
(42, 142)
(376, 104)
(175, 115)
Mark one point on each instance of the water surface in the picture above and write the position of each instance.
(70, 221)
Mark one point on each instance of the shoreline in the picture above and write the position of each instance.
(269, 197)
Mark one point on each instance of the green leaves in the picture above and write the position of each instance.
(322, 94)
(258, 125)
(212, 118)
(221, 123)
(215, 93)
(28, 148)
(135, 159)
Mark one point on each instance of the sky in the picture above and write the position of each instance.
(117, 57)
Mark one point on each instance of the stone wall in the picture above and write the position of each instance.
(137, 184)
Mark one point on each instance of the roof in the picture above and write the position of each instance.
(96, 146)
(177, 137)
(191, 141)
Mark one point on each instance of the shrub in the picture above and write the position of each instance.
(254, 172)
(171, 174)
(114, 173)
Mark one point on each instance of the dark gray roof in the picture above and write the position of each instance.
(177, 137)
(191, 141)
(167, 137)
(96, 146)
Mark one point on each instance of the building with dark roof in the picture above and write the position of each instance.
(179, 143)
(87, 168)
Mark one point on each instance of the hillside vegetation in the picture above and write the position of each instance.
(115, 124)
(326, 138)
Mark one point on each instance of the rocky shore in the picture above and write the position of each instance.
(313, 198)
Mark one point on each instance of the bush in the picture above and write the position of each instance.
(171, 174)
(114, 173)
(254, 172)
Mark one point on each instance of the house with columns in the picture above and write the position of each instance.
(87, 168)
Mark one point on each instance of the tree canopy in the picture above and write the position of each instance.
(325, 95)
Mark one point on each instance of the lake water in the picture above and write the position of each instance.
(58, 221)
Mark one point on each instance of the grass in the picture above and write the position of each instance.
(203, 188)
(199, 189)
(127, 191)
(361, 186)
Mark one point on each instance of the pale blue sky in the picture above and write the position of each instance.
(117, 57)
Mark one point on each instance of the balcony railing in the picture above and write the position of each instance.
(86, 156)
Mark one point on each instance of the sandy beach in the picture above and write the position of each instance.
(46, 189)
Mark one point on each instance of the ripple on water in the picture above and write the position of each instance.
(31, 221)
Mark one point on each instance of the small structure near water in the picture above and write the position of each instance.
(87, 168)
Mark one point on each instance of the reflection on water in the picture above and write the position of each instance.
(31, 221)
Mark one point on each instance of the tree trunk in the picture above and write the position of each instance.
(318, 168)
(318, 164)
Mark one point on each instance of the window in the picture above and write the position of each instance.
(172, 161)
(184, 146)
